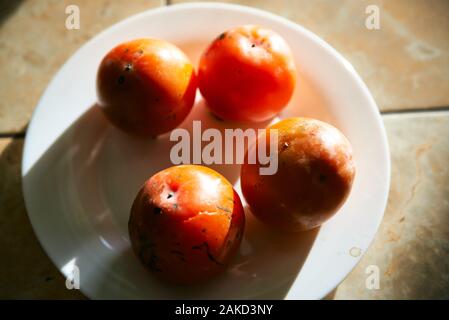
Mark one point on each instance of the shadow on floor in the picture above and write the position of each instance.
(7, 7)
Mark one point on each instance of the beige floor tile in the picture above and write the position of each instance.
(405, 63)
(34, 43)
(26, 271)
(411, 248)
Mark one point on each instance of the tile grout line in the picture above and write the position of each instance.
(12, 135)
(415, 110)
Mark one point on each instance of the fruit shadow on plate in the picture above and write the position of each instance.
(88, 179)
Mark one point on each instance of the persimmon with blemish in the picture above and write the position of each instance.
(315, 173)
(247, 74)
(146, 87)
(186, 223)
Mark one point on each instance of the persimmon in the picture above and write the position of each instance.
(314, 177)
(247, 74)
(186, 223)
(146, 87)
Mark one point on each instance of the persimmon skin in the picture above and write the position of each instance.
(186, 223)
(146, 87)
(247, 74)
(314, 177)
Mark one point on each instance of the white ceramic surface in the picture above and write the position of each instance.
(80, 175)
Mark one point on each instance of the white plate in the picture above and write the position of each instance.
(80, 175)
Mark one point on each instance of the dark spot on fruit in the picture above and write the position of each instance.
(121, 79)
(157, 210)
(239, 234)
(128, 67)
(322, 177)
(208, 253)
(253, 45)
(216, 117)
(170, 195)
(203, 230)
(222, 36)
(140, 51)
(145, 241)
(224, 209)
(179, 254)
(151, 262)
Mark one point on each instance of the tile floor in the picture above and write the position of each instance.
(405, 64)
